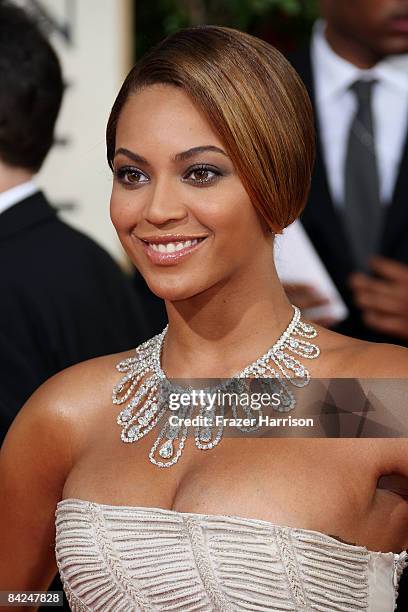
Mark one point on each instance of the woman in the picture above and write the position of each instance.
(211, 144)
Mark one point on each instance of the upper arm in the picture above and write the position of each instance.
(39, 451)
(34, 460)
(390, 364)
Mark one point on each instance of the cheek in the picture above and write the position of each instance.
(123, 212)
(229, 213)
(245, 224)
(237, 228)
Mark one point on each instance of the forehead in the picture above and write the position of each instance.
(163, 114)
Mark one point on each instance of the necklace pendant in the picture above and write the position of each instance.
(166, 450)
(205, 434)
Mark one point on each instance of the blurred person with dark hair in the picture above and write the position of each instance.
(356, 72)
(63, 299)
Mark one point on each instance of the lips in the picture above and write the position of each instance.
(170, 250)
(400, 24)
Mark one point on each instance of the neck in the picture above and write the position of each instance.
(11, 176)
(226, 328)
(350, 49)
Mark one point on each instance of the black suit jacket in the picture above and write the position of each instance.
(324, 225)
(63, 300)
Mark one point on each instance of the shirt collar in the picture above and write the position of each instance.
(334, 74)
(394, 70)
(16, 194)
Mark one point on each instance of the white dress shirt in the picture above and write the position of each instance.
(16, 194)
(336, 106)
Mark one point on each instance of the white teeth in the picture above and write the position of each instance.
(171, 247)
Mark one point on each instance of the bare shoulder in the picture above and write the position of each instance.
(88, 378)
(92, 371)
(347, 357)
(66, 404)
(376, 360)
(81, 392)
(385, 360)
(35, 459)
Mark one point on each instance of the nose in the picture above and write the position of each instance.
(165, 203)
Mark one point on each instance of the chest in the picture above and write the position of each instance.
(286, 482)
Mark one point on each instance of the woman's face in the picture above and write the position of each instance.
(179, 208)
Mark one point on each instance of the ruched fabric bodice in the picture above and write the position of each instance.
(125, 558)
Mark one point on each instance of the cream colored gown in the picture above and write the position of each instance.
(125, 559)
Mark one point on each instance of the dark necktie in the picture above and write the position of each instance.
(362, 206)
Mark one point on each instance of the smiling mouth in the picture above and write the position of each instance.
(172, 247)
(170, 250)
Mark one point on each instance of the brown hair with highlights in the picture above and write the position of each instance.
(252, 98)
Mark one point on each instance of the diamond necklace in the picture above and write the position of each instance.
(145, 405)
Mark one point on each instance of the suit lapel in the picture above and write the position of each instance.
(396, 217)
(320, 217)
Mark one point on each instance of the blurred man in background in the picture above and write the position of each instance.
(356, 71)
(63, 299)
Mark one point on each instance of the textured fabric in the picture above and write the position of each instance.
(125, 559)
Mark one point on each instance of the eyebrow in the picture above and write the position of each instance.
(178, 157)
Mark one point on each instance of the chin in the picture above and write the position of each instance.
(172, 290)
(395, 46)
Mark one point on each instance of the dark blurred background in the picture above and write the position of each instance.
(283, 23)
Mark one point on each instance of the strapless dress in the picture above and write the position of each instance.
(125, 558)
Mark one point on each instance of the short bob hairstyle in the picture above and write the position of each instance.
(252, 98)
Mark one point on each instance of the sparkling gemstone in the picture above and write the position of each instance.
(133, 431)
(205, 435)
(166, 449)
(147, 360)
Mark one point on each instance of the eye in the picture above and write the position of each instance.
(129, 175)
(202, 174)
